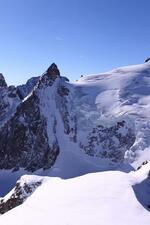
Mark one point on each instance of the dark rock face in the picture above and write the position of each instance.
(9, 100)
(25, 137)
(109, 142)
(24, 140)
(48, 78)
(53, 70)
(2, 81)
(20, 193)
(147, 60)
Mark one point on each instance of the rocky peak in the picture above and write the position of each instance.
(2, 81)
(53, 70)
(48, 78)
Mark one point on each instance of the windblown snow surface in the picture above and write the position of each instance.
(107, 198)
(102, 198)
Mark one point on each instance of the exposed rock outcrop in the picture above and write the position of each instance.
(147, 60)
(109, 142)
(53, 70)
(22, 190)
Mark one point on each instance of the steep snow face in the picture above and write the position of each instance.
(119, 95)
(104, 198)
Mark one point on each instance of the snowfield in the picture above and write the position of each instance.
(120, 94)
(107, 198)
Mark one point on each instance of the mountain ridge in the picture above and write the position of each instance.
(98, 123)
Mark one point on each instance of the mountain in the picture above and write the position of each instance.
(81, 145)
(65, 129)
(108, 198)
(24, 138)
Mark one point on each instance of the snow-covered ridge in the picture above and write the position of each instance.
(110, 198)
(22, 190)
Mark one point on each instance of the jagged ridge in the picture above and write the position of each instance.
(100, 118)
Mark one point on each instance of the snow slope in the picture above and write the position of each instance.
(121, 94)
(106, 101)
(107, 198)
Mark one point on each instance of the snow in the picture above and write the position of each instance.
(103, 99)
(106, 198)
(76, 190)
(25, 179)
(120, 94)
(47, 106)
(121, 88)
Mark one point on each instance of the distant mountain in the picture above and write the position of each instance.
(100, 122)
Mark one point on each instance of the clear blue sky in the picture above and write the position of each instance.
(80, 36)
